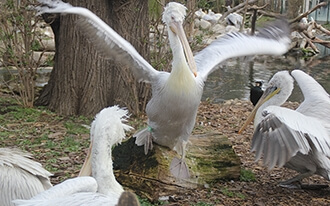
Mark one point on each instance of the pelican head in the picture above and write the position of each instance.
(174, 12)
(173, 17)
(277, 92)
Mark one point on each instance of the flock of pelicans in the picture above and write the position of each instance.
(296, 139)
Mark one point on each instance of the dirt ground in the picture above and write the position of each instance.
(225, 119)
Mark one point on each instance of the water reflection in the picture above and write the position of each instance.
(236, 76)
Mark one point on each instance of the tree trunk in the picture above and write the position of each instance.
(82, 81)
(295, 7)
(210, 158)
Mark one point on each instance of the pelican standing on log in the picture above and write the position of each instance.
(107, 130)
(297, 139)
(176, 95)
(20, 176)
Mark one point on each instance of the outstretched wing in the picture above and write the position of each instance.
(285, 132)
(104, 38)
(272, 40)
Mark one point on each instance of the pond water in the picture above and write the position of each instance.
(235, 77)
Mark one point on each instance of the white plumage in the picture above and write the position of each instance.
(107, 130)
(297, 139)
(20, 176)
(175, 96)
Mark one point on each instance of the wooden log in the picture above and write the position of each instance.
(321, 28)
(210, 158)
(320, 41)
(310, 43)
(309, 30)
(298, 18)
(270, 14)
(303, 43)
(240, 6)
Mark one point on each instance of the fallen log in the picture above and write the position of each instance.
(310, 43)
(320, 41)
(270, 14)
(210, 158)
(321, 28)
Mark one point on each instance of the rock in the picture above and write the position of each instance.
(48, 44)
(197, 23)
(210, 158)
(218, 29)
(231, 28)
(205, 24)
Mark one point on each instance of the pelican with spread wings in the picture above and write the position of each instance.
(297, 139)
(176, 95)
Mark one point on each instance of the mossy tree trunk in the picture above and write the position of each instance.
(210, 158)
(82, 81)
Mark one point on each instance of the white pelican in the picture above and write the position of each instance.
(200, 13)
(211, 17)
(297, 139)
(107, 130)
(234, 19)
(176, 95)
(20, 176)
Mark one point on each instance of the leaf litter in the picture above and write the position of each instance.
(62, 152)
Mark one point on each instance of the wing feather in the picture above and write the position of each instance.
(284, 132)
(20, 176)
(108, 42)
(272, 40)
(76, 191)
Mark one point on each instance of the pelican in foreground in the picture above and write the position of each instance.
(176, 96)
(20, 176)
(107, 130)
(297, 139)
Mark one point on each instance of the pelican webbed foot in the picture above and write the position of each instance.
(179, 168)
(291, 185)
(144, 137)
(295, 182)
(299, 185)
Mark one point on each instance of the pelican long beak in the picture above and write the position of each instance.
(177, 28)
(86, 169)
(265, 97)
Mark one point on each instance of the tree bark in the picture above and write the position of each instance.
(82, 81)
(294, 8)
(210, 158)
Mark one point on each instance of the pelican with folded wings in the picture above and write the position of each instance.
(297, 139)
(175, 95)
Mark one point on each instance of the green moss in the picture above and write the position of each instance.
(247, 176)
